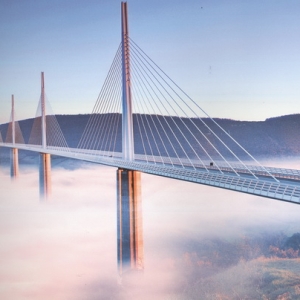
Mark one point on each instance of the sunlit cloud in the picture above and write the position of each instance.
(66, 247)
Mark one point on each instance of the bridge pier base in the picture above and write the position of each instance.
(129, 222)
(14, 163)
(45, 175)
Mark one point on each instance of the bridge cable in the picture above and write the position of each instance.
(184, 137)
(192, 111)
(173, 120)
(89, 138)
(187, 140)
(101, 103)
(174, 150)
(208, 117)
(181, 109)
(55, 136)
(142, 92)
(112, 100)
(99, 116)
(19, 139)
(139, 116)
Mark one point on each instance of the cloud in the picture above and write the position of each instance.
(66, 247)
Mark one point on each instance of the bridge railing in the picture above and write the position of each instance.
(268, 188)
(281, 173)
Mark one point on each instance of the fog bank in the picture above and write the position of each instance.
(65, 248)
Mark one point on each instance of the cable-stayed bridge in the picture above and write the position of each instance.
(144, 122)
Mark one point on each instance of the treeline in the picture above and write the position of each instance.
(273, 137)
(216, 253)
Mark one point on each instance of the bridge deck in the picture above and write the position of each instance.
(286, 188)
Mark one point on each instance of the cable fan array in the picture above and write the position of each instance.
(18, 133)
(103, 132)
(166, 129)
(54, 136)
(169, 127)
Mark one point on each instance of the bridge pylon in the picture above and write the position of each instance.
(45, 158)
(14, 158)
(45, 175)
(127, 120)
(129, 210)
(14, 163)
(129, 222)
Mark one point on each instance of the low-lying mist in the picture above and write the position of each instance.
(198, 241)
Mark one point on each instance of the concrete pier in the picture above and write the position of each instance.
(45, 175)
(14, 163)
(129, 221)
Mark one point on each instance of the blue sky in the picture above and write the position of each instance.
(236, 59)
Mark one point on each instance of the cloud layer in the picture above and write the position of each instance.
(65, 248)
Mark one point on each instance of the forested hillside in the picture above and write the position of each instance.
(273, 137)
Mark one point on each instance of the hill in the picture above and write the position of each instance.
(277, 136)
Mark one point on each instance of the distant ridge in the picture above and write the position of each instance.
(277, 136)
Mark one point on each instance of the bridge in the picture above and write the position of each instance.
(143, 122)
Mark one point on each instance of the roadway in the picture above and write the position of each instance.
(254, 180)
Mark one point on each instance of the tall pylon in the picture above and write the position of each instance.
(14, 160)
(43, 112)
(45, 158)
(13, 126)
(127, 120)
(129, 203)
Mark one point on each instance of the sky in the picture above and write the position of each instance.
(236, 59)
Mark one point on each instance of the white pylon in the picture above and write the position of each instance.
(127, 120)
(43, 113)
